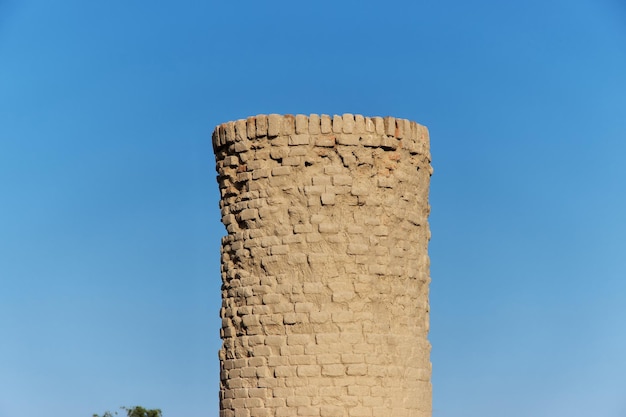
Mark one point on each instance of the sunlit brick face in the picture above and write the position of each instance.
(325, 266)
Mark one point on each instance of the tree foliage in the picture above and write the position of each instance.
(135, 411)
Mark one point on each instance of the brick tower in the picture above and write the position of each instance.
(325, 267)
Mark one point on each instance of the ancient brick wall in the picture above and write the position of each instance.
(325, 268)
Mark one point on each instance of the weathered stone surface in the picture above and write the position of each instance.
(325, 268)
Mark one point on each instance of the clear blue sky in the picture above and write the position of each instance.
(109, 222)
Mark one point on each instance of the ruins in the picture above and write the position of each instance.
(325, 266)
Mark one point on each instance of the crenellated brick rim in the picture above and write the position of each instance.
(327, 131)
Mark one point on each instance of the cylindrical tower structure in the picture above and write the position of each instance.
(325, 267)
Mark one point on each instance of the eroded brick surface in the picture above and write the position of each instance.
(325, 268)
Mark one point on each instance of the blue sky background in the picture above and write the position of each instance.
(109, 222)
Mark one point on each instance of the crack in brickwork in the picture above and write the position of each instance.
(325, 267)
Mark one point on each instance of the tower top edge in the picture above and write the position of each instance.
(274, 125)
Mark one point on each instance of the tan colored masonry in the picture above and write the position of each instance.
(325, 267)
